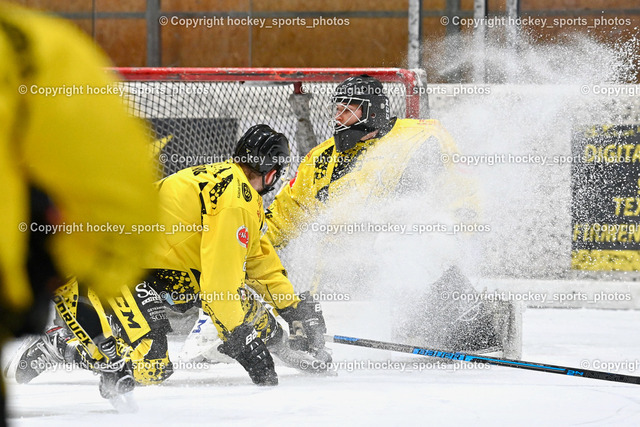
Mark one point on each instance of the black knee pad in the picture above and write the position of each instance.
(152, 308)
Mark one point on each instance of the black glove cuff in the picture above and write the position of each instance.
(307, 308)
(290, 314)
(238, 341)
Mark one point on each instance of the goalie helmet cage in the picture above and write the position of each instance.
(196, 115)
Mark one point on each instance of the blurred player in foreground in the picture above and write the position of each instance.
(65, 161)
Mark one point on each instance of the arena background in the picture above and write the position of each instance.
(357, 33)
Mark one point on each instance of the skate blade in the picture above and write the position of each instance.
(11, 368)
(124, 403)
(485, 352)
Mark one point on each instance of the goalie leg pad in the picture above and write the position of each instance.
(202, 343)
(474, 322)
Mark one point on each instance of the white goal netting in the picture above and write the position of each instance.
(196, 116)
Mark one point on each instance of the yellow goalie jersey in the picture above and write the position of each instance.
(374, 167)
(212, 238)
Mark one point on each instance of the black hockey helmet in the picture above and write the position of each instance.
(368, 93)
(263, 149)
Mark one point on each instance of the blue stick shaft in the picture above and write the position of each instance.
(465, 357)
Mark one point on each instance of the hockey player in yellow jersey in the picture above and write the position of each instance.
(371, 156)
(211, 253)
(213, 218)
(65, 162)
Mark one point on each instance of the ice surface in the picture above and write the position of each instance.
(361, 395)
(380, 388)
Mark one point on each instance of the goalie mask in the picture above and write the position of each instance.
(361, 92)
(262, 149)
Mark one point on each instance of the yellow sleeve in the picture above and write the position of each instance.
(293, 206)
(93, 159)
(268, 276)
(224, 250)
(460, 182)
(83, 150)
(431, 162)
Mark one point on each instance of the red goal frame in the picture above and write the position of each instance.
(409, 78)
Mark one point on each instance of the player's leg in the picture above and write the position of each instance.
(122, 339)
(97, 346)
(39, 353)
(58, 344)
(134, 343)
(43, 279)
(143, 325)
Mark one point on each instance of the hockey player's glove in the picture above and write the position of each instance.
(244, 345)
(307, 327)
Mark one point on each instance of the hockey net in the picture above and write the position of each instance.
(196, 115)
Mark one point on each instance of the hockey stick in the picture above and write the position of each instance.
(552, 369)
